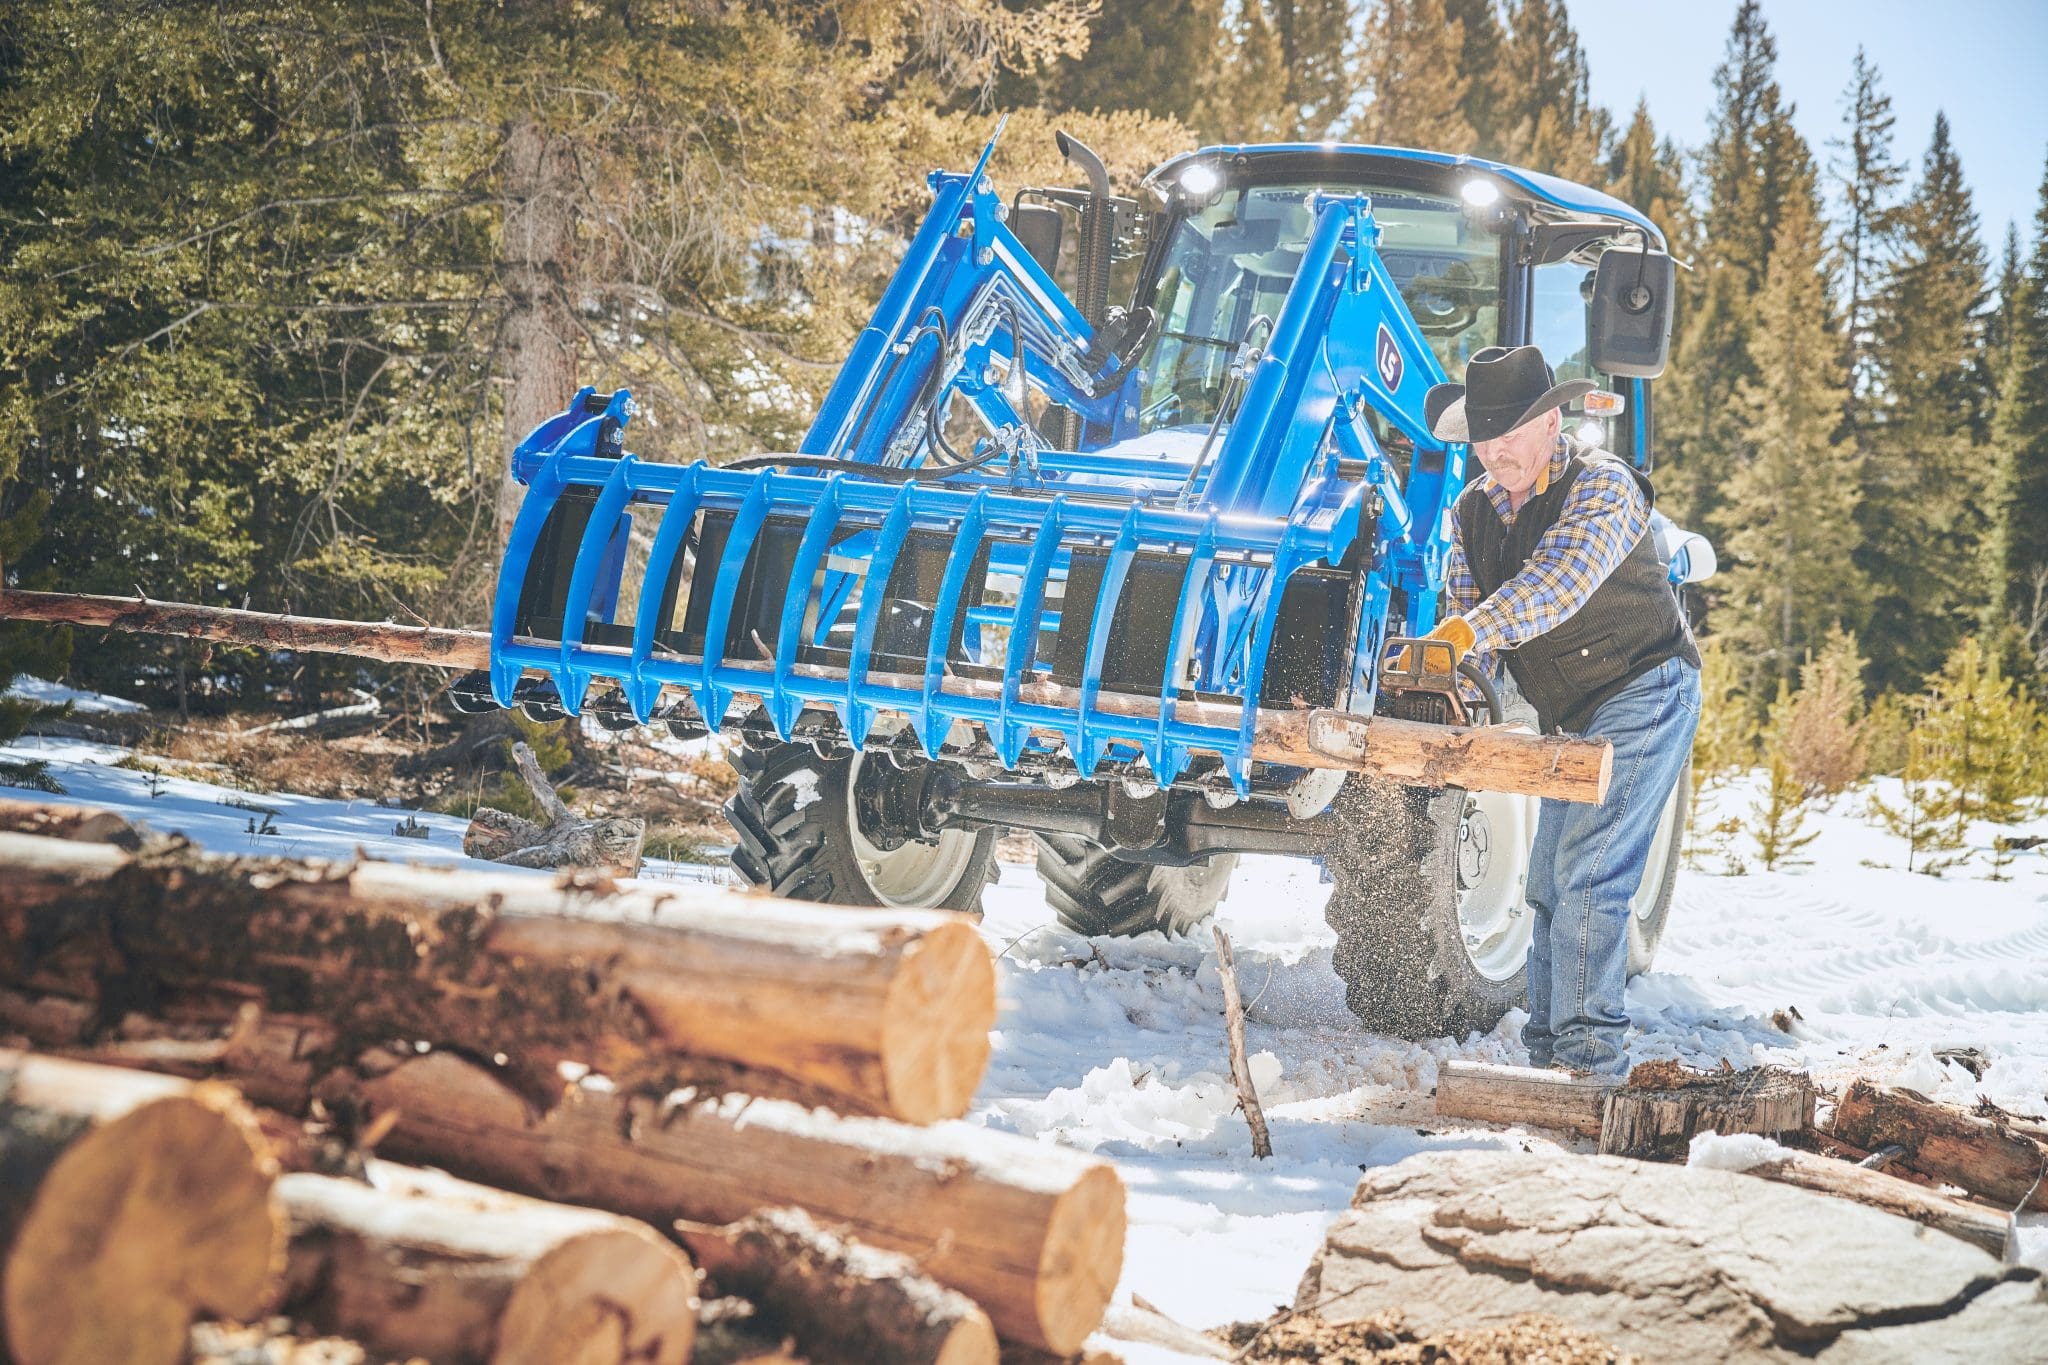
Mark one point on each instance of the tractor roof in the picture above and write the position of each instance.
(1534, 185)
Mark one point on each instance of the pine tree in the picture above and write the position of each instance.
(1723, 747)
(1742, 171)
(2017, 548)
(1151, 55)
(1777, 818)
(1650, 176)
(1868, 178)
(1789, 519)
(1821, 734)
(1979, 732)
(1414, 89)
(1313, 47)
(1547, 120)
(1924, 510)
(1243, 97)
(1884, 731)
(1481, 66)
(1924, 817)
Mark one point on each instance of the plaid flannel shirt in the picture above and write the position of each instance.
(1603, 517)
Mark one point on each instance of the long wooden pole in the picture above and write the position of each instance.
(1484, 759)
(878, 1011)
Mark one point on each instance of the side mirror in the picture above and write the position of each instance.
(1039, 228)
(1628, 320)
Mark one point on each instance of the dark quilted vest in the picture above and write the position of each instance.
(1627, 627)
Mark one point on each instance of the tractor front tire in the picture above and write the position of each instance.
(1400, 945)
(1098, 894)
(798, 836)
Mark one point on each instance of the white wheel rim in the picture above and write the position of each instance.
(914, 875)
(1644, 903)
(1493, 919)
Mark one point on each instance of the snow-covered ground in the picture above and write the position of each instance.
(1116, 1046)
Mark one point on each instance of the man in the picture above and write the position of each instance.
(1552, 565)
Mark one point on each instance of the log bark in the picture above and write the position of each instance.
(1240, 1068)
(566, 840)
(129, 1205)
(415, 1263)
(1973, 1223)
(1662, 1108)
(842, 1302)
(53, 820)
(1525, 1096)
(1033, 1233)
(1484, 759)
(881, 1011)
(1993, 1155)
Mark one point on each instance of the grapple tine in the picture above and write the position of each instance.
(783, 707)
(1088, 748)
(541, 495)
(1287, 557)
(571, 679)
(713, 696)
(1169, 757)
(858, 716)
(966, 544)
(1008, 733)
(641, 690)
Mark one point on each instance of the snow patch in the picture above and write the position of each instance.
(1712, 1151)
(806, 783)
(43, 692)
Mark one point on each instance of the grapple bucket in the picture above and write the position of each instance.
(1047, 615)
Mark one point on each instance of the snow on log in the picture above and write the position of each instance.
(883, 1011)
(1033, 1233)
(417, 1264)
(840, 1300)
(1992, 1154)
(129, 1205)
(1483, 759)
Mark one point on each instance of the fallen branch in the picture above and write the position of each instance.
(842, 1302)
(1993, 1155)
(566, 840)
(886, 1011)
(1522, 1096)
(1240, 1068)
(1483, 759)
(1972, 1223)
(130, 1205)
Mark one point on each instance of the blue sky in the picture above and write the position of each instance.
(1985, 62)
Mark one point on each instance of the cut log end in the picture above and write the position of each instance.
(1079, 1265)
(935, 1025)
(142, 1224)
(616, 1296)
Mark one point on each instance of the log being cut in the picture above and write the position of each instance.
(417, 1264)
(1482, 759)
(130, 1204)
(1033, 1233)
(877, 1011)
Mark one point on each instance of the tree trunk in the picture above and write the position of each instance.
(883, 1011)
(54, 821)
(844, 1303)
(537, 174)
(1991, 1154)
(1524, 1096)
(1972, 1223)
(1033, 1233)
(419, 1264)
(129, 1205)
(1485, 759)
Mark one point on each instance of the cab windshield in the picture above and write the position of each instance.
(1235, 260)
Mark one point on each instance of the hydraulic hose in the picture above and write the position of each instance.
(1472, 673)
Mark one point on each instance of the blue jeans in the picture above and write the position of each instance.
(1586, 865)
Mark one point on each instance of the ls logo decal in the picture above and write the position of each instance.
(1388, 357)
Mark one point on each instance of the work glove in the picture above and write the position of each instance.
(1455, 631)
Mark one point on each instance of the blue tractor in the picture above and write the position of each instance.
(1102, 482)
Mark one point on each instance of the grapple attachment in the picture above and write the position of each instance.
(1053, 615)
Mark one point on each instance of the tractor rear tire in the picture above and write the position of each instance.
(1400, 945)
(797, 837)
(1098, 894)
(1650, 911)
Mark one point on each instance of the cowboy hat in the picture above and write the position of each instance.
(1504, 387)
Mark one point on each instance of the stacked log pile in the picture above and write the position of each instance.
(629, 1073)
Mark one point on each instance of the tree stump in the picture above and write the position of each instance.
(1663, 1106)
(566, 840)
